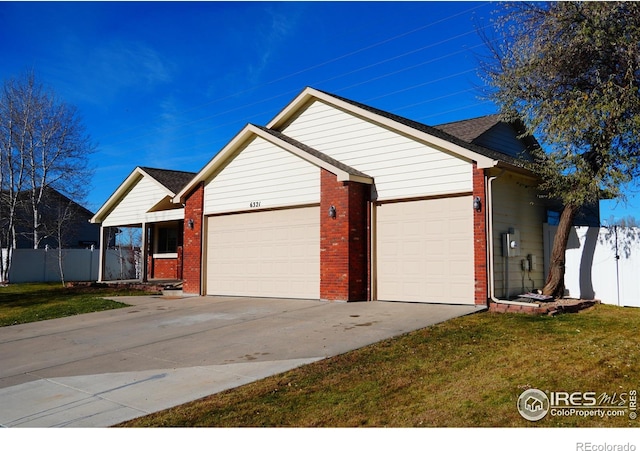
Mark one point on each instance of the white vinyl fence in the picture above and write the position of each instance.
(40, 265)
(601, 263)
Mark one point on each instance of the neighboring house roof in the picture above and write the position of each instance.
(52, 195)
(53, 204)
(170, 181)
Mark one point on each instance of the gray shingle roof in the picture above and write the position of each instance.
(174, 181)
(470, 129)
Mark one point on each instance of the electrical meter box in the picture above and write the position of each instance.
(511, 243)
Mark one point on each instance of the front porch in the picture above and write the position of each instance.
(146, 253)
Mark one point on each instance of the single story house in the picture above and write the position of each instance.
(336, 200)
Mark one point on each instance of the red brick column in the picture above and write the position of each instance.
(150, 267)
(480, 238)
(179, 262)
(192, 242)
(343, 240)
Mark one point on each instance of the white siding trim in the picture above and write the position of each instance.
(262, 176)
(123, 191)
(401, 166)
(282, 120)
(244, 139)
(133, 206)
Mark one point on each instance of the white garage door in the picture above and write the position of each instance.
(265, 254)
(425, 251)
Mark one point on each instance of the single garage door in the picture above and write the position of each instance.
(425, 251)
(265, 254)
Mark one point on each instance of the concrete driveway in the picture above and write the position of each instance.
(99, 369)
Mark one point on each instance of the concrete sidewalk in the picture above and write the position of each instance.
(99, 369)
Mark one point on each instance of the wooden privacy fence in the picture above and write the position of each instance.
(40, 265)
(601, 263)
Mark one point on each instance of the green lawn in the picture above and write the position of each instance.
(25, 303)
(466, 372)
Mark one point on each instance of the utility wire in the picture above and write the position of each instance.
(310, 68)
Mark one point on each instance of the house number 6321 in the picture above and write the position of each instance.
(254, 204)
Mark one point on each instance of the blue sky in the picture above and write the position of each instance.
(167, 85)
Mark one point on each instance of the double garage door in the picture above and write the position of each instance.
(265, 254)
(424, 252)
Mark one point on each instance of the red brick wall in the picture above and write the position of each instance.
(165, 268)
(192, 242)
(480, 238)
(343, 240)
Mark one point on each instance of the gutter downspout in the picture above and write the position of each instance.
(490, 251)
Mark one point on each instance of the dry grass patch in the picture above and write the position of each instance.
(29, 302)
(466, 372)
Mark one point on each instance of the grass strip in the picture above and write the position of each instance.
(467, 372)
(25, 303)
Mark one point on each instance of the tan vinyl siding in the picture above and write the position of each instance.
(262, 176)
(516, 204)
(133, 207)
(401, 167)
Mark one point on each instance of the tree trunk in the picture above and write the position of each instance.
(555, 281)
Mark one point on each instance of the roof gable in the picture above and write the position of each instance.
(162, 181)
(470, 150)
(250, 132)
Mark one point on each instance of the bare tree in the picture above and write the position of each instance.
(43, 145)
(63, 223)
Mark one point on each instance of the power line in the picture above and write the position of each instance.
(310, 68)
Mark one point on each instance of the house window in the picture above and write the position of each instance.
(553, 217)
(167, 240)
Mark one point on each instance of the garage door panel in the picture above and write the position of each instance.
(425, 251)
(265, 254)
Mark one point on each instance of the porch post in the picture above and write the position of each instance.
(145, 252)
(103, 254)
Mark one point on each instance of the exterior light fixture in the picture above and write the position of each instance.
(190, 224)
(332, 211)
(477, 204)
